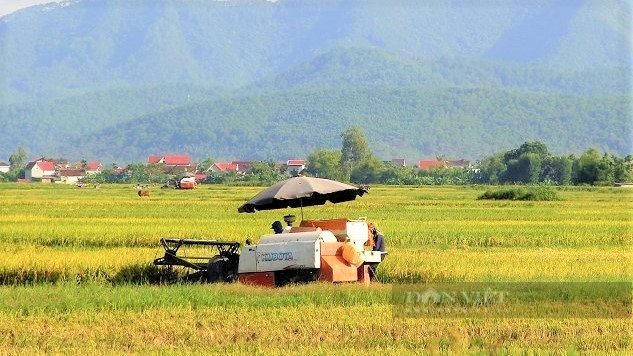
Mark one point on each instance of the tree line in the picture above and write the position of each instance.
(530, 163)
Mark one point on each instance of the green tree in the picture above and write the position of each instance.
(535, 147)
(622, 169)
(265, 173)
(391, 174)
(523, 165)
(137, 173)
(557, 170)
(17, 160)
(586, 169)
(205, 165)
(492, 169)
(531, 164)
(367, 171)
(324, 164)
(156, 172)
(355, 150)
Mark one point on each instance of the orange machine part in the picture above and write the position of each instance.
(336, 269)
(187, 185)
(336, 226)
(333, 267)
(264, 279)
(332, 248)
(364, 274)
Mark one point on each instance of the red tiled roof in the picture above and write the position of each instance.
(177, 160)
(243, 166)
(223, 167)
(46, 166)
(94, 166)
(154, 159)
(170, 160)
(430, 164)
(201, 176)
(296, 162)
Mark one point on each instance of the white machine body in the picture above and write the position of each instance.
(301, 250)
(298, 250)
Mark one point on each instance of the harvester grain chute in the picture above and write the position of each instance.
(330, 250)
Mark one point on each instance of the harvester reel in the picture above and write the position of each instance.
(220, 269)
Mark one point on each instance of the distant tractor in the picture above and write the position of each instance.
(181, 183)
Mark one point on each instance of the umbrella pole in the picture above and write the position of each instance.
(301, 202)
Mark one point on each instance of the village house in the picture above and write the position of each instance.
(295, 166)
(173, 164)
(93, 167)
(223, 167)
(41, 170)
(119, 169)
(70, 175)
(4, 167)
(429, 164)
(243, 167)
(183, 161)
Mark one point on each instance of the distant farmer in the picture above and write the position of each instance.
(277, 227)
(379, 244)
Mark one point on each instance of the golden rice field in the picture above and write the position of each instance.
(75, 272)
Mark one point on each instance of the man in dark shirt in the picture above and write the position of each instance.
(277, 227)
(379, 240)
(379, 245)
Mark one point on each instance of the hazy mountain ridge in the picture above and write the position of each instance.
(367, 67)
(51, 124)
(71, 74)
(411, 123)
(98, 44)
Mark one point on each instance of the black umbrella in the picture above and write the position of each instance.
(299, 192)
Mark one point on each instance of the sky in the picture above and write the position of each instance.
(9, 6)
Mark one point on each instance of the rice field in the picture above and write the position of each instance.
(76, 273)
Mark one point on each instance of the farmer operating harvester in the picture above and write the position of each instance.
(333, 250)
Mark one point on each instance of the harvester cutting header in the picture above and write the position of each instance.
(331, 250)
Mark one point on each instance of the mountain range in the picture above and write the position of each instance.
(119, 80)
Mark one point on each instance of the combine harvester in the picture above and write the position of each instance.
(330, 250)
(326, 250)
